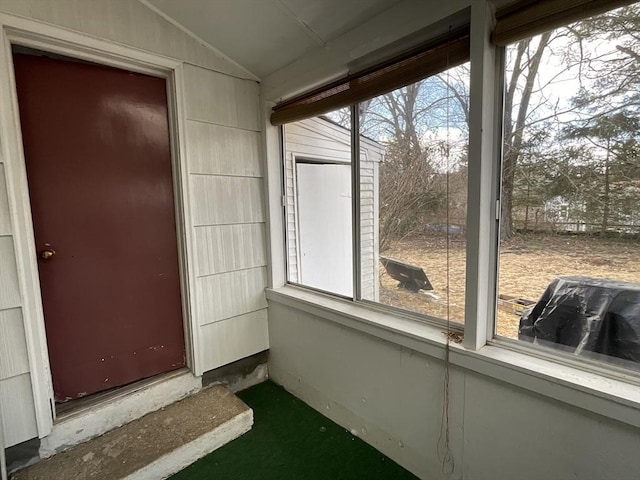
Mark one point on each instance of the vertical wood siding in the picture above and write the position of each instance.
(224, 177)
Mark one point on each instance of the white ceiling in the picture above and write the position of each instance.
(266, 35)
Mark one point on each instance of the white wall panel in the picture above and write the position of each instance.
(221, 99)
(128, 22)
(230, 294)
(14, 359)
(9, 290)
(18, 411)
(225, 248)
(210, 96)
(232, 339)
(393, 398)
(514, 434)
(390, 396)
(5, 220)
(247, 93)
(215, 149)
(225, 200)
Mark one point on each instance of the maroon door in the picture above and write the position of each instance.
(96, 142)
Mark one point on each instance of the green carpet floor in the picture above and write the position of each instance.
(290, 440)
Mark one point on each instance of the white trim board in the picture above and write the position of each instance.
(37, 35)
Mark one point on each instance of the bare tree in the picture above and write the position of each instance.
(609, 79)
(523, 75)
(410, 122)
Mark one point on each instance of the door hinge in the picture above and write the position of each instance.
(498, 209)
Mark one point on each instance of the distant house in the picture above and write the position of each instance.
(580, 216)
(565, 214)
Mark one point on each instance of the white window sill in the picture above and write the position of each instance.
(605, 396)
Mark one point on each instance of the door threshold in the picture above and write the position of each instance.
(80, 406)
(100, 413)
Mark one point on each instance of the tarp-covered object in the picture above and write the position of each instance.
(587, 315)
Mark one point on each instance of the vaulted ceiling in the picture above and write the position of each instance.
(266, 35)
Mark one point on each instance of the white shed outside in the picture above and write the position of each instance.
(318, 195)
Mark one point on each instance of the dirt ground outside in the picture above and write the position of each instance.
(528, 263)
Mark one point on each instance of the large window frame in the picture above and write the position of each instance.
(485, 164)
(457, 40)
(356, 270)
(591, 365)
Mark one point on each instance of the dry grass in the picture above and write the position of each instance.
(527, 265)
(430, 253)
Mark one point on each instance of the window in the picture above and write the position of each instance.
(570, 229)
(413, 183)
(555, 221)
(411, 201)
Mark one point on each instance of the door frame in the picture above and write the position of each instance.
(33, 34)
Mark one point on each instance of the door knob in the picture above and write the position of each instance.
(47, 254)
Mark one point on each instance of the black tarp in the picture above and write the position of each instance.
(586, 316)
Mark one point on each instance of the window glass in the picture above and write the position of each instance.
(319, 227)
(570, 200)
(413, 184)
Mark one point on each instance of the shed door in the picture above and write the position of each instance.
(325, 228)
(96, 142)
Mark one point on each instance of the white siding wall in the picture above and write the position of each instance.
(318, 140)
(291, 215)
(225, 176)
(369, 224)
(16, 398)
(225, 188)
(392, 397)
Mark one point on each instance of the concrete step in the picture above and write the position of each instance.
(155, 446)
(99, 413)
